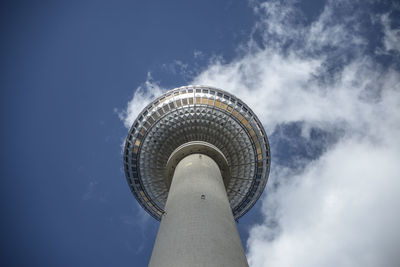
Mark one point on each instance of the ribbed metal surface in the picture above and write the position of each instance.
(196, 113)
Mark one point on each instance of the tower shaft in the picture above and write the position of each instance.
(197, 228)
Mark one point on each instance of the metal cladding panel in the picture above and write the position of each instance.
(197, 113)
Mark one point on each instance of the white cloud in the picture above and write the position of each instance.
(197, 54)
(143, 95)
(341, 210)
(391, 38)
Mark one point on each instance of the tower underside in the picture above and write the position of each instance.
(198, 227)
(187, 115)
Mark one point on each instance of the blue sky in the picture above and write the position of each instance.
(323, 77)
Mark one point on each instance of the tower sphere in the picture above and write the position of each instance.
(197, 120)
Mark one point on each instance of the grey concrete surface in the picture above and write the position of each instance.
(198, 228)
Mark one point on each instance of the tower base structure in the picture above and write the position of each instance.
(198, 227)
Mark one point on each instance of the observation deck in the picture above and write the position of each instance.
(191, 120)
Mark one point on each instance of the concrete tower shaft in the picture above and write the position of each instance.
(197, 228)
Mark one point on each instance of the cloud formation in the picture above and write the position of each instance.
(340, 208)
(143, 95)
(337, 207)
(391, 35)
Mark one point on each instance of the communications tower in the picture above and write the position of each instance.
(197, 158)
